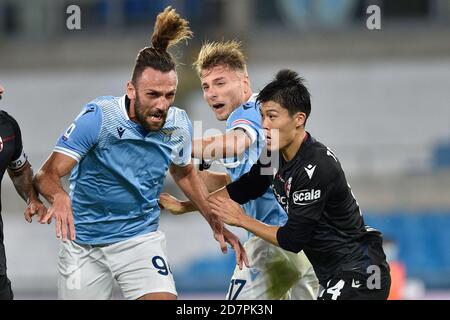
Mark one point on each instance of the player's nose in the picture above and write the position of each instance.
(163, 104)
(211, 94)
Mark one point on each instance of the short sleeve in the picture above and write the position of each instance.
(82, 134)
(248, 118)
(182, 136)
(19, 158)
(250, 185)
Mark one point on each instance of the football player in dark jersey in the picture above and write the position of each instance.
(324, 218)
(14, 160)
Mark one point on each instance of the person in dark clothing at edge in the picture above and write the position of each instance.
(14, 160)
(324, 218)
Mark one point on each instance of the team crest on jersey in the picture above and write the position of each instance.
(287, 187)
(1, 144)
(167, 134)
(69, 132)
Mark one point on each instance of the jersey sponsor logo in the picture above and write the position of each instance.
(17, 164)
(306, 197)
(120, 131)
(310, 170)
(281, 199)
(69, 132)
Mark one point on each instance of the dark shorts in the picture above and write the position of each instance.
(5, 288)
(356, 286)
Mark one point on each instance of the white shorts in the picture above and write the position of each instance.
(273, 274)
(139, 265)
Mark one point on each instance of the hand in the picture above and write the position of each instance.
(217, 228)
(227, 210)
(35, 206)
(241, 255)
(170, 203)
(61, 210)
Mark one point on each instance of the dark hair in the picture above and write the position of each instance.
(170, 29)
(289, 91)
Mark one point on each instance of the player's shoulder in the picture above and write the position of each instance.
(104, 102)
(178, 117)
(5, 117)
(320, 156)
(177, 114)
(248, 111)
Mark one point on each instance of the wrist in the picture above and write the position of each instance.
(244, 221)
(60, 196)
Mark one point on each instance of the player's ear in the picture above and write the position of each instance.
(300, 118)
(246, 82)
(131, 91)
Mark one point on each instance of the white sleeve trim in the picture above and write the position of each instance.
(248, 130)
(69, 153)
(19, 162)
(183, 164)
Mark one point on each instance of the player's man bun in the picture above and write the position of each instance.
(169, 29)
(289, 91)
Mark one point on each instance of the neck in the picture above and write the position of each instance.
(132, 112)
(291, 149)
(248, 96)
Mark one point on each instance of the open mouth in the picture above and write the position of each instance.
(218, 106)
(156, 116)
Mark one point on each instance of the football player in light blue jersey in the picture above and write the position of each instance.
(118, 151)
(274, 273)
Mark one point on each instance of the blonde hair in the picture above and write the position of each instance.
(169, 29)
(214, 54)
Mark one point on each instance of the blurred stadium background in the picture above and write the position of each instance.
(380, 100)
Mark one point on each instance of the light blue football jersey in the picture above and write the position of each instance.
(121, 168)
(248, 117)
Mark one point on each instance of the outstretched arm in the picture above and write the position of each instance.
(232, 214)
(23, 182)
(189, 182)
(231, 144)
(212, 181)
(47, 182)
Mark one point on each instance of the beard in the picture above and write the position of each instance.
(143, 117)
